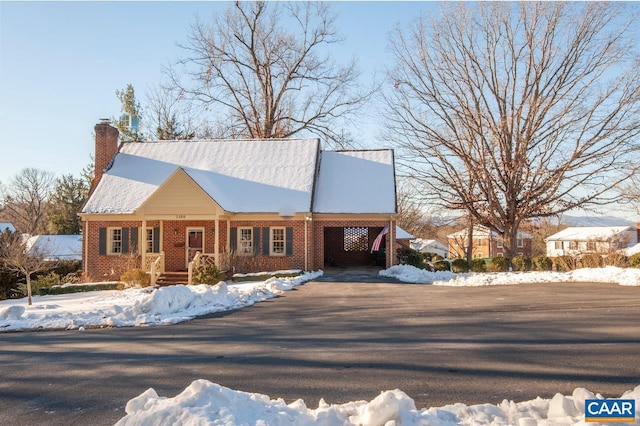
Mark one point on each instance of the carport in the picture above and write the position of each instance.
(351, 246)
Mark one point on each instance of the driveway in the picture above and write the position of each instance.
(340, 341)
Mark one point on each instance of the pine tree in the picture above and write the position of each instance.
(66, 202)
(131, 114)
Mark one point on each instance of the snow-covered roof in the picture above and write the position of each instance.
(257, 176)
(7, 225)
(356, 182)
(480, 231)
(252, 176)
(426, 245)
(588, 233)
(61, 247)
(401, 234)
(630, 251)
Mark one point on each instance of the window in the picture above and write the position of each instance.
(591, 245)
(520, 242)
(500, 254)
(356, 239)
(245, 241)
(558, 245)
(115, 240)
(150, 240)
(277, 244)
(573, 245)
(500, 244)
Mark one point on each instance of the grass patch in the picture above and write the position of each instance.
(263, 276)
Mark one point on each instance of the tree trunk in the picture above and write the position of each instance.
(28, 289)
(470, 241)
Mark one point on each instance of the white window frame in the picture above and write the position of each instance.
(112, 241)
(245, 245)
(273, 241)
(558, 245)
(520, 242)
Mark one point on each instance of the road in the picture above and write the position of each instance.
(341, 341)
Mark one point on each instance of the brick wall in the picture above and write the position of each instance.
(109, 267)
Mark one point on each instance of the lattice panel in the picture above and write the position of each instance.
(356, 239)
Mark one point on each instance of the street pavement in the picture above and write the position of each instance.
(341, 341)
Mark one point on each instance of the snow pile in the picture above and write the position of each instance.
(139, 306)
(204, 402)
(609, 274)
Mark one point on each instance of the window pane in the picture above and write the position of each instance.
(149, 240)
(116, 240)
(246, 241)
(277, 240)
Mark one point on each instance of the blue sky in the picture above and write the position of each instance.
(61, 63)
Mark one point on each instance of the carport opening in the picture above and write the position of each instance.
(351, 247)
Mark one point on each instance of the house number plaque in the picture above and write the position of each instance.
(181, 216)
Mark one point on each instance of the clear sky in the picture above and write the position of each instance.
(61, 63)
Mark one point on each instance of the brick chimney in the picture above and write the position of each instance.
(106, 148)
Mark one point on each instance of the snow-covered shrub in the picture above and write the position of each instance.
(591, 261)
(478, 265)
(542, 263)
(136, 278)
(460, 266)
(441, 265)
(521, 263)
(616, 259)
(499, 264)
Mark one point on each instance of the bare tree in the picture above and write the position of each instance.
(169, 115)
(263, 69)
(511, 111)
(26, 198)
(17, 257)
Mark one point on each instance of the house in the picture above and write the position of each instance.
(250, 205)
(430, 246)
(7, 226)
(486, 243)
(56, 247)
(580, 240)
(403, 238)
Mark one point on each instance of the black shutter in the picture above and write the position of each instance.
(156, 239)
(256, 241)
(233, 239)
(289, 241)
(102, 241)
(134, 239)
(125, 240)
(265, 241)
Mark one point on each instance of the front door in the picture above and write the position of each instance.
(195, 242)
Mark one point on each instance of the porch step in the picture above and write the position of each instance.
(173, 278)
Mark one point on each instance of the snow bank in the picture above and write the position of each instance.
(204, 402)
(609, 274)
(139, 306)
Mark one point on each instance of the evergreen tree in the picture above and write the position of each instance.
(131, 114)
(66, 202)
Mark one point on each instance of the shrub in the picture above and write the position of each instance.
(441, 265)
(521, 263)
(80, 288)
(542, 263)
(499, 264)
(565, 263)
(616, 259)
(634, 260)
(41, 283)
(238, 278)
(208, 274)
(592, 261)
(436, 257)
(410, 257)
(478, 265)
(136, 278)
(459, 266)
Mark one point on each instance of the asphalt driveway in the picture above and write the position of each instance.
(340, 341)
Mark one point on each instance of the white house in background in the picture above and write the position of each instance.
(591, 239)
(430, 246)
(56, 247)
(4, 226)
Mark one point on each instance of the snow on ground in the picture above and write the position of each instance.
(139, 306)
(204, 402)
(208, 403)
(609, 274)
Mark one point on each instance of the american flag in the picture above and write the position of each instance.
(376, 243)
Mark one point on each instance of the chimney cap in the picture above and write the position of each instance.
(105, 121)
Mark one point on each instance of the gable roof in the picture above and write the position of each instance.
(60, 247)
(401, 234)
(360, 181)
(586, 233)
(257, 176)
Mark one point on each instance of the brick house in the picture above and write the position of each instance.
(486, 243)
(250, 205)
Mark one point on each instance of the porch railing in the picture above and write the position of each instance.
(154, 263)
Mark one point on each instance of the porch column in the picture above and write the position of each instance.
(217, 242)
(143, 243)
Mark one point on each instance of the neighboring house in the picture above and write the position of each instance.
(403, 238)
(7, 226)
(252, 205)
(591, 239)
(56, 247)
(486, 243)
(430, 246)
